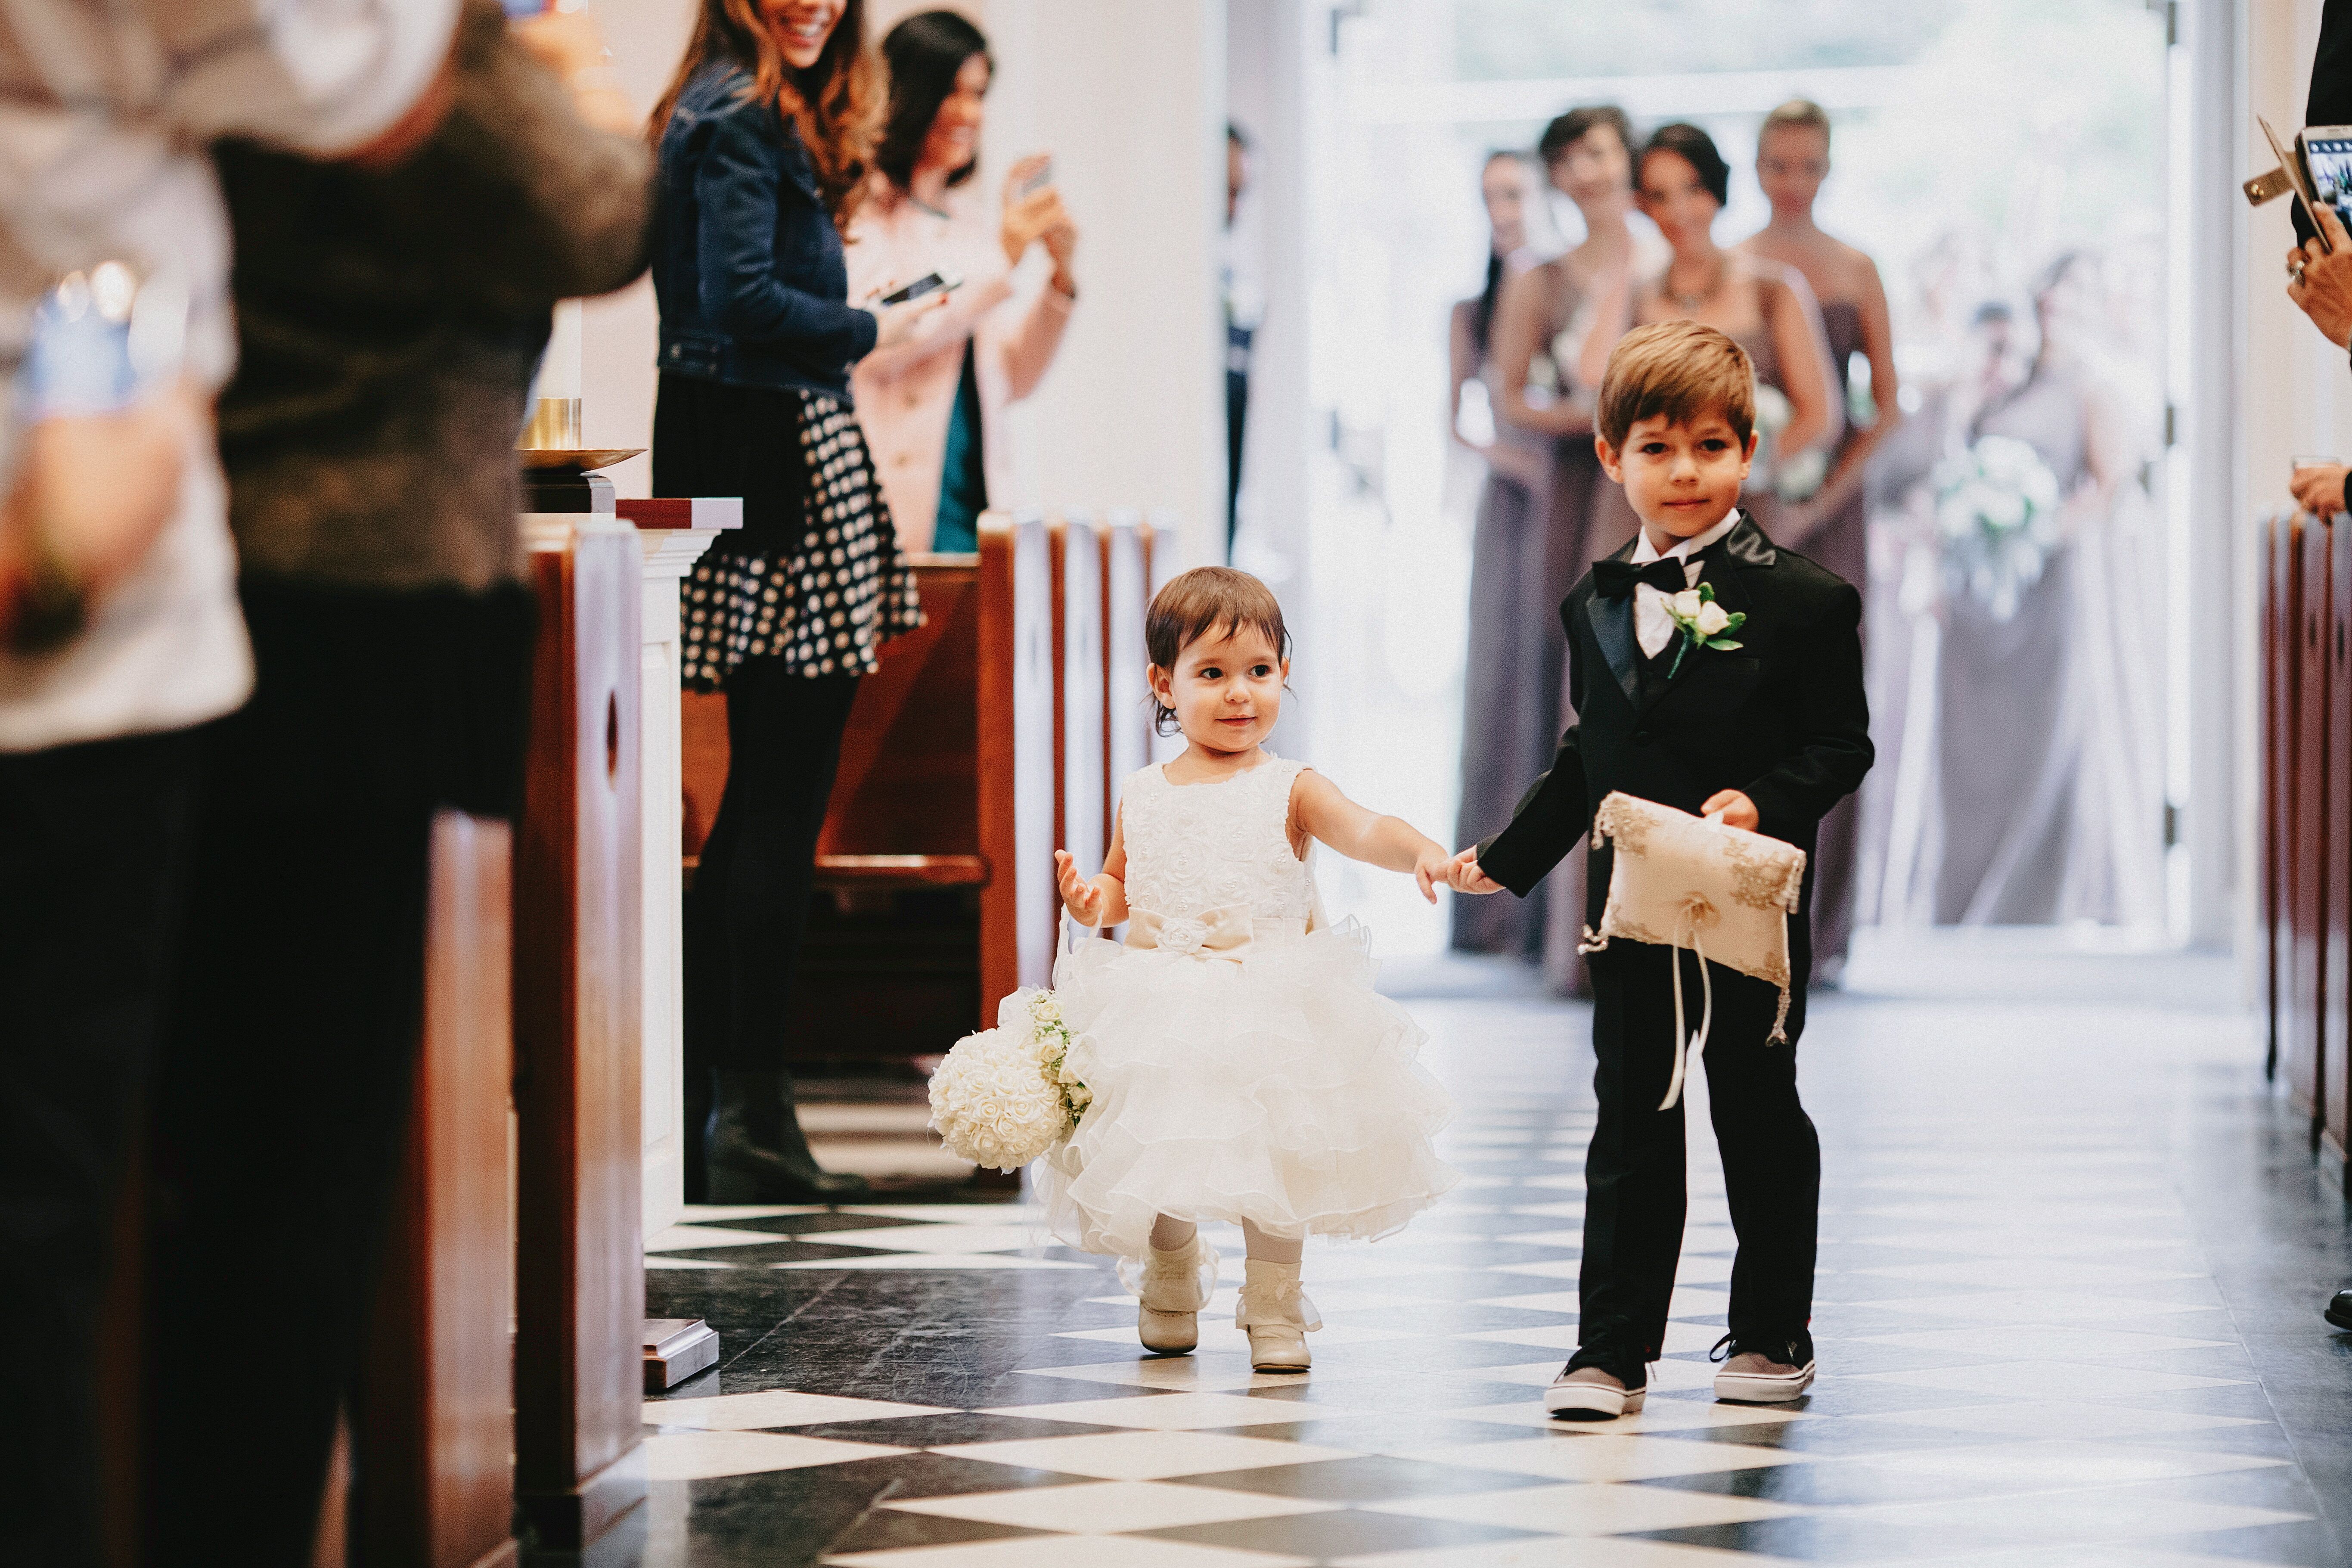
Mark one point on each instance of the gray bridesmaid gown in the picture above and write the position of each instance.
(1527, 551)
(1842, 543)
(2006, 742)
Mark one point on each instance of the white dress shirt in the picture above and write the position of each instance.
(1653, 625)
(102, 156)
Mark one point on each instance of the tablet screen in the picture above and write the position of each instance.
(2327, 150)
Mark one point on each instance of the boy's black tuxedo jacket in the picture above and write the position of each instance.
(1784, 719)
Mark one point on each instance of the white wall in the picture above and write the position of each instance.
(1131, 100)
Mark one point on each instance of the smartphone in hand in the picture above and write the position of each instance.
(1037, 180)
(930, 283)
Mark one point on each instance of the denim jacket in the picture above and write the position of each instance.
(748, 269)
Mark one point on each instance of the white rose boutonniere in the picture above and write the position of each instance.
(1704, 623)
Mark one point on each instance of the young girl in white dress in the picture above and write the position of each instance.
(1242, 1067)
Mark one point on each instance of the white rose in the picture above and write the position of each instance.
(1712, 619)
(1686, 604)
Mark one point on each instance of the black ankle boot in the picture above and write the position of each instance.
(754, 1150)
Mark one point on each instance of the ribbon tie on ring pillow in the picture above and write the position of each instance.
(1679, 881)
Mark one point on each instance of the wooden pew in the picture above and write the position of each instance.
(580, 1261)
(2302, 1047)
(1081, 678)
(2285, 708)
(935, 894)
(432, 1448)
(2280, 561)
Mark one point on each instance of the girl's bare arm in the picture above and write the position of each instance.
(1318, 811)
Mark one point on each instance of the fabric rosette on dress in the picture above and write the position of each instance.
(1242, 1065)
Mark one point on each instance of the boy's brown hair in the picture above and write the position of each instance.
(1206, 601)
(1678, 369)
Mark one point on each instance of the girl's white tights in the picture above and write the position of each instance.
(1168, 1234)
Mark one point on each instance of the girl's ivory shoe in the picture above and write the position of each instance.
(1172, 1295)
(1589, 1393)
(1276, 1317)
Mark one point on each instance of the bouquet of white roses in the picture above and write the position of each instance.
(1006, 1096)
(1996, 514)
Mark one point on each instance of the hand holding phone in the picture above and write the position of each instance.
(930, 283)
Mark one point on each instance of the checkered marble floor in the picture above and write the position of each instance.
(2027, 1356)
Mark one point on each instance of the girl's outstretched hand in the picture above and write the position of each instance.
(1463, 876)
(1083, 900)
(1433, 869)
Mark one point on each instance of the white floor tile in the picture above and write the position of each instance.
(990, 1237)
(1656, 1414)
(1578, 1457)
(699, 1456)
(1067, 1551)
(1166, 1412)
(2048, 1380)
(1110, 1507)
(2063, 1463)
(1573, 1552)
(2040, 1341)
(1220, 1334)
(1145, 1456)
(1196, 1374)
(2060, 1418)
(693, 1237)
(2086, 1515)
(1576, 1509)
(777, 1408)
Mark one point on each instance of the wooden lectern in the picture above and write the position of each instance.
(579, 1268)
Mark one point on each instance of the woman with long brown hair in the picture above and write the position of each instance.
(765, 138)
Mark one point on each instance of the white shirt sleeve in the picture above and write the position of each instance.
(322, 77)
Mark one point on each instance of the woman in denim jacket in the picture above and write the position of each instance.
(764, 138)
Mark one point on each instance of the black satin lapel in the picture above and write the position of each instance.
(1612, 628)
(1745, 543)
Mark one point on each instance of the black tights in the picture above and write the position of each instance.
(749, 906)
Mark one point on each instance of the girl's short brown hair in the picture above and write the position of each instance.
(1206, 601)
(1679, 369)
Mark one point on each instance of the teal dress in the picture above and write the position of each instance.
(963, 485)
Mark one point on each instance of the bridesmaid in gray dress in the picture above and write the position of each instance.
(1792, 159)
(1509, 526)
(2015, 833)
(1541, 376)
(1682, 182)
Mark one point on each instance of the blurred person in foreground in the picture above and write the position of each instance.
(765, 142)
(119, 634)
(933, 407)
(390, 318)
(1832, 525)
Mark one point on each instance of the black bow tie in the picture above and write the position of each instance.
(1615, 579)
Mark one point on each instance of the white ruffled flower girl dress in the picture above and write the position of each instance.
(1242, 1067)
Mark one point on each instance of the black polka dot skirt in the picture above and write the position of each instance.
(825, 605)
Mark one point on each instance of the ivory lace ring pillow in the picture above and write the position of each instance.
(1679, 881)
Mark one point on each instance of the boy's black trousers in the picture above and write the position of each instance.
(1634, 1173)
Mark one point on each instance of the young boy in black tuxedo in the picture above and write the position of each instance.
(1771, 733)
